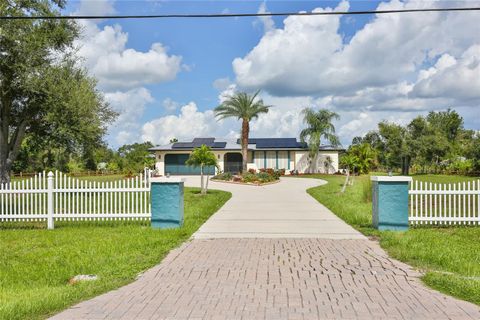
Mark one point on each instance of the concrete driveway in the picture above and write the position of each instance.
(280, 210)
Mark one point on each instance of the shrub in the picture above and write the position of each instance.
(250, 177)
(270, 171)
(227, 176)
(252, 171)
(237, 178)
(262, 170)
(265, 177)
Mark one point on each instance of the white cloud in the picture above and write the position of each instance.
(222, 83)
(130, 105)
(308, 55)
(118, 67)
(459, 79)
(170, 105)
(267, 22)
(188, 124)
(96, 7)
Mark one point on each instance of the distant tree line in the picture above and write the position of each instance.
(128, 159)
(436, 143)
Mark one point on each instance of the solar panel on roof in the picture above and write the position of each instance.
(219, 145)
(198, 142)
(182, 145)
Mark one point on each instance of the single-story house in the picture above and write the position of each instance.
(276, 153)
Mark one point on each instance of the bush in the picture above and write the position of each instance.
(265, 177)
(227, 176)
(252, 171)
(249, 177)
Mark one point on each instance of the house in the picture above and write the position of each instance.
(276, 153)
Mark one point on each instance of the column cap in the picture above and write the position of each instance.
(167, 180)
(391, 179)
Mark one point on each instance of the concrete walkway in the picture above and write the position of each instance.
(302, 263)
(280, 210)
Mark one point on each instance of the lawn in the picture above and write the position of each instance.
(450, 257)
(36, 264)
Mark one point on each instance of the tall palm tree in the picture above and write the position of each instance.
(244, 107)
(319, 125)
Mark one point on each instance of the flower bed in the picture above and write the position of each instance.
(264, 176)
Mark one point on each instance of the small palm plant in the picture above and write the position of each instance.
(319, 125)
(202, 157)
(244, 107)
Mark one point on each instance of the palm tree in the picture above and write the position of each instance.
(202, 157)
(244, 107)
(319, 125)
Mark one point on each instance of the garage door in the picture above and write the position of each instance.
(175, 165)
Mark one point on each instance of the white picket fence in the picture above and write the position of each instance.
(57, 196)
(439, 203)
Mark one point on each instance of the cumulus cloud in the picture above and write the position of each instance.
(170, 105)
(308, 55)
(188, 124)
(118, 67)
(266, 21)
(130, 105)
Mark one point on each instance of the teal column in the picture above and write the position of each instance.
(265, 159)
(288, 156)
(166, 196)
(390, 202)
(253, 156)
(276, 160)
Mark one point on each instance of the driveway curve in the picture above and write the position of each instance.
(279, 210)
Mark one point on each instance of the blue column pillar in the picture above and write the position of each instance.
(276, 160)
(265, 159)
(166, 196)
(390, 202)
(288, 156)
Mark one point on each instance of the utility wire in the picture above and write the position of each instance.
(232, 15)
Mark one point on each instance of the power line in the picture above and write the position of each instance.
(231, 15)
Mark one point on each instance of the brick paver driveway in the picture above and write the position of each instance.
(239, 275)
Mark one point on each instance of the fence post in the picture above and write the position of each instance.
(390, 202)
(50, 200)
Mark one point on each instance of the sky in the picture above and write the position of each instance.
(165, 76)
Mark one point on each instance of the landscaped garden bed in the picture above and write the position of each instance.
(251, 177)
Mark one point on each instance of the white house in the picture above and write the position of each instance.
(276, 153)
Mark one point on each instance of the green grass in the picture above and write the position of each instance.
(450, 257)
(36, 264)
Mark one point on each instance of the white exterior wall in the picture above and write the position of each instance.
(298, 160)
(304, 165)
(160, 158)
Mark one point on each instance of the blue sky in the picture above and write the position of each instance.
(165, 76)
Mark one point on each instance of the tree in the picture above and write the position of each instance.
(136, 156)
(319, 125)
(44, 96)
(202, 157)
(244, 107)
(360, 158)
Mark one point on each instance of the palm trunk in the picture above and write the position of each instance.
(245, 133)
(201, 180)
(206, 184)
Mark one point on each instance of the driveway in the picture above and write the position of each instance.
(273, 252)
(280, 210)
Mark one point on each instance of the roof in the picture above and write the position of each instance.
(253, 144)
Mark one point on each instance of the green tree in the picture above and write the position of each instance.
(136, 156)
(319, 125)
(244, 107)
(43, 95)
(202, 157)
(362, 158)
